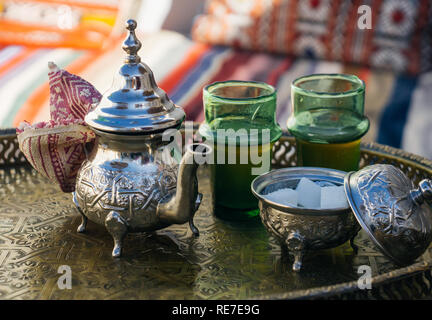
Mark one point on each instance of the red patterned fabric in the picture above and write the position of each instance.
(71, 97)
(400, 37)
(57, 148)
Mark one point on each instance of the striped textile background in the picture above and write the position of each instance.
(399, 106)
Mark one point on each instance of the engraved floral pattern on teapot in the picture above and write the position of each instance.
(126, 192)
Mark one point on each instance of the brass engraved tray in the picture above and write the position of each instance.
(227, 261)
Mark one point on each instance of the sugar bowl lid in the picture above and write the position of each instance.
(396, 216)
(139, 106)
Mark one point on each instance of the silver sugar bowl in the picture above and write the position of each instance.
(134, 179)
(395, 215)
(300, 229)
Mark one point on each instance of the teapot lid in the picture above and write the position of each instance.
(140, 106)
(393, 213)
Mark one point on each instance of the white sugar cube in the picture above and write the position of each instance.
(333, 197)
(284, 196)
(309, 194)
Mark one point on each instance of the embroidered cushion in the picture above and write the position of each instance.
(400, 37)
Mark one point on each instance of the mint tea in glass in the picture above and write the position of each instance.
(240, 122)
(328, 120)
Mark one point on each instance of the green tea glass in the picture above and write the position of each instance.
(240, 123)
(328, 121)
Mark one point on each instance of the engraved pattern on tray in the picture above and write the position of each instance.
(227, 261)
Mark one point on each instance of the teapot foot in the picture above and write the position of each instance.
(118, 230)
(193, 228)
(82, 227)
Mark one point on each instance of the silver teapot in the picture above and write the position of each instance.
(133, 179)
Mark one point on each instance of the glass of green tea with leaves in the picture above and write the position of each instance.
(328, 121)
(240, 123)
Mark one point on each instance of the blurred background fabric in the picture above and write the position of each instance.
(191, 43)
(399, 38)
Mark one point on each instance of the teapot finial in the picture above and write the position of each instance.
(131, 45)
(135, 104)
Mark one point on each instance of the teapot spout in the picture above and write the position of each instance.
(180, 206)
